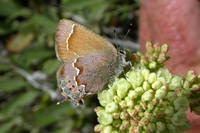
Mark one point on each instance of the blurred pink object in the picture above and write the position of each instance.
(176, 23)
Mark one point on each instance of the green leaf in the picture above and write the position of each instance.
(21, 100)
(23, 12)
(44, 119)
(19, 41)
(53, 114)
(64, 128)
(8, 7)
(61, 109)
(51, 66)
(6, 28)
(78, 4)
(98, 9)
(44, 24)
(11, 85)
(37, 53)
(7, 127)
(4, 67)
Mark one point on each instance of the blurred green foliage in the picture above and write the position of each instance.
(28, 64)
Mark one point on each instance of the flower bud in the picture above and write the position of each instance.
(147, 96)
(143, 122)
(98, 128)
(145, 73)
(123, 104)
(171, 96)
(111, 107)
(107, 129)
(144, 62)
(160, 94)
(152, 78)
(138, 108)
(140, 114)
(171, 127)
(157, 47)
(187, 93)
(123, 87)
(169, 110)
(129, 102)
(160, 126)
(156, 85)
(156, 110)
(116, 115)
(131, 112)
(152, 65)
(136, 57)
(143, 105)
(132, 94)
(181, 103)
(150, 106)
(99, 110)
(117, 99)
(146, 86)
(134, 129)
(151, 127)
(151, 58)
(190, 73)
(161, 58)
(133, 123)
(105, 118)
(147, 114)
(139, 90)
(179, 118)
(155, 55)
(164, 48)
(191, 78)
(116, 122)
(125, 123)
(196, 87)
(153, 118)
(185, 127)
(124, 115)
(135, 78)
(150, 48)
(186, 85)
(154, 101)
(105, 97)
(175, 83)
(164, 76)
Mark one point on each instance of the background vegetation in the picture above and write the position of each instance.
(28, 63)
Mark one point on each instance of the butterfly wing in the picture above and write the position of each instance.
(83, 76)
(74, 40)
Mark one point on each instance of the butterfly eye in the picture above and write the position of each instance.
(73, 86)
(122, 52)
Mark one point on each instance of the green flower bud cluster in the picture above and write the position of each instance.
(191, 89)
(154, 58)
(144, 102)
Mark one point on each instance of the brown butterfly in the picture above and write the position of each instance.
(88, 61)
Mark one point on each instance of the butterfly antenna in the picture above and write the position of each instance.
(115, 32)
(126, 34)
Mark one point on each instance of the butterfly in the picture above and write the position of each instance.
(88, 61)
